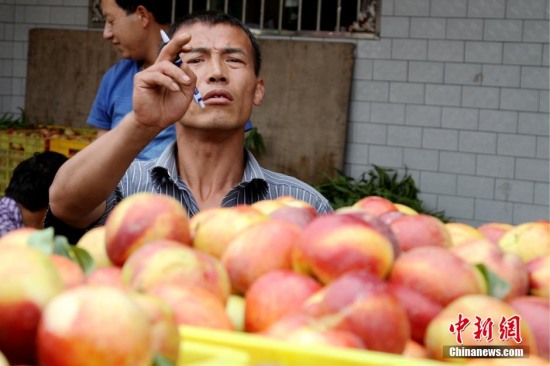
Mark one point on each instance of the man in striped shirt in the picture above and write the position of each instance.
(208, 165)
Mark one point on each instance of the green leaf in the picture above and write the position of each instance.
(342, 190)
(83, 258)
(62, 246)
(160, 360)
(76, 254)
(255, 142)
(48, 243)
(9, 120)
(42, 240)
(496, 286)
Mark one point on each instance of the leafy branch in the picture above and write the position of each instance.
(10, 120)
(342, 190)
(255, 142)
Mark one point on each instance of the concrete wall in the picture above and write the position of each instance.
(457, 91)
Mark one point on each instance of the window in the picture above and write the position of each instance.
(311, 18)
(314, 18)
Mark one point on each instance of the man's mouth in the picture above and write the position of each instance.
(218, 96)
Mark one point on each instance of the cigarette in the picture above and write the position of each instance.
(197, 95)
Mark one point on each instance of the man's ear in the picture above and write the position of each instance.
(145, 16)
(259, 92)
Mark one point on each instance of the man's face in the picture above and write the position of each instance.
(123, 30)
(223, 61)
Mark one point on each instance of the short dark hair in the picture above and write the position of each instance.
(161, 9)
(212, 17)
(31, 180)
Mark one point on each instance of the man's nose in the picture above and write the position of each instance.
(107, 31)
(218, 72)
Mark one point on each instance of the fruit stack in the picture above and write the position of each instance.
(372, 279)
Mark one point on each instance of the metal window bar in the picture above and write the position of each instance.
(299, 28)
(280, 15)
(262, 14)
(362, 7)
(338, 14)
(318, 20)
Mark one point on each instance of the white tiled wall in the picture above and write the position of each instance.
(456, 91)
(16, 18)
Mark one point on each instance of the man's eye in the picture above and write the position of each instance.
(235, 60)
(194, 61)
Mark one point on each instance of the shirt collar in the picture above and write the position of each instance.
(166, 163)
(252, 169)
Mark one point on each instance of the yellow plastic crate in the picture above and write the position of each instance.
(16, 146)
(72, 140)
(20, 144)
(68, 147)
(244, 349)
(201, 354)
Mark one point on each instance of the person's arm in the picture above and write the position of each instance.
(161, 96)
(100, 132)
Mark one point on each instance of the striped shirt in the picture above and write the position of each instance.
(10, 215)
(161, 176)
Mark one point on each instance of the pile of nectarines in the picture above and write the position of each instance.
(375, 276)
